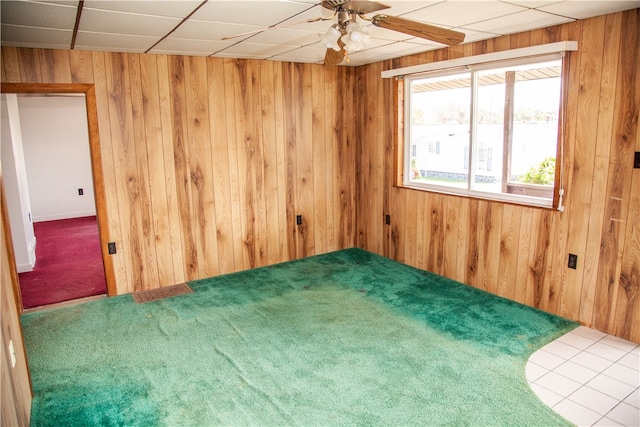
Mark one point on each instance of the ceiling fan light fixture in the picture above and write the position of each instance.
(356, 37)
(354, 31)
(330, 38)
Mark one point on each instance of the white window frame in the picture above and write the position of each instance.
(514, 57)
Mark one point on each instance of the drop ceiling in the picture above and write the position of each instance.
(197, 27)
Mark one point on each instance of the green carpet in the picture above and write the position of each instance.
(345, 338)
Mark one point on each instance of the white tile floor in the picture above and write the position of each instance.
(589, 377)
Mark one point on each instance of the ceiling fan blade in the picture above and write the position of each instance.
(418, 29)
(274, 27)
(333, 57)
(362, 7)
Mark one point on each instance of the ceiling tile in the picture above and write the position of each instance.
(384, 34)
(73, 3)
(249, 12)
(462, 13)
(365, 57)
(113, 42)
(532, 3)
(175, 9)
(17, 35)
(38, 15)
(242, 56)
(101, 21)
(403, 48)
(424, 42)
(206, 30)
(181, 52)
(255, 50)
(285, 37)
(134, 26)
(377, 43)
(517, 22)
(474, 36)
(585, 9)
(321, 22)
(310, 54)
(200, 46)
(403, 7)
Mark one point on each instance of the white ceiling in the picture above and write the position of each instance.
(196, 27)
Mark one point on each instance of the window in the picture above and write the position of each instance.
(486, 130)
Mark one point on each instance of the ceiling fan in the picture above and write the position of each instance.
(348, 36)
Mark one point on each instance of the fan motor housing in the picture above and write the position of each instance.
(358, 7)
(333, 4)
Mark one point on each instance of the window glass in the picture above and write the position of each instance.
(440, 111)
(488, 132)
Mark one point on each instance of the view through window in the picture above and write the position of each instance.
(486, 131)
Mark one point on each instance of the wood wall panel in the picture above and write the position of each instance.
(516, 251)
(29, 66)
(15, 394)
(345, 133)
(619, 175)
(81, 64)
(159, 223)
(627, 310)
(273, 155)
(206, 161)
(109, 171)
(55, 65)
(304, 159)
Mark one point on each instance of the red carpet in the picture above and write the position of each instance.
(68, 263)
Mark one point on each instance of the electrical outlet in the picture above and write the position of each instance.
(299, 219)
(573, 261)
(111, 246)
(80, 192)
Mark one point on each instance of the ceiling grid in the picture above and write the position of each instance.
(197, 27)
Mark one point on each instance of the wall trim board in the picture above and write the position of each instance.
(96, 160)
(24, 268)
(68, 215)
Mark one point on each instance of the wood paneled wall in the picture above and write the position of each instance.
(15, 395)
(207, 161)
(520, 252)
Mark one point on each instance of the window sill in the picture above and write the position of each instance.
(512, 199)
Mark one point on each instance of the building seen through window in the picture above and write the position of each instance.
(488, 132)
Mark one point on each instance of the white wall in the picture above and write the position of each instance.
(56, 147)
(15, 184)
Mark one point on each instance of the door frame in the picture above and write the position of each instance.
(96, 160)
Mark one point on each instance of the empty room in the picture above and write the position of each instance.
(327, 213)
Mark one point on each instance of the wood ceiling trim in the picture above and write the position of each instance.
(177, 26)
(77, 24)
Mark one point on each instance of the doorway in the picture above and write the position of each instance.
(96, 165)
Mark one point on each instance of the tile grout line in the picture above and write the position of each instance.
(599, 372)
